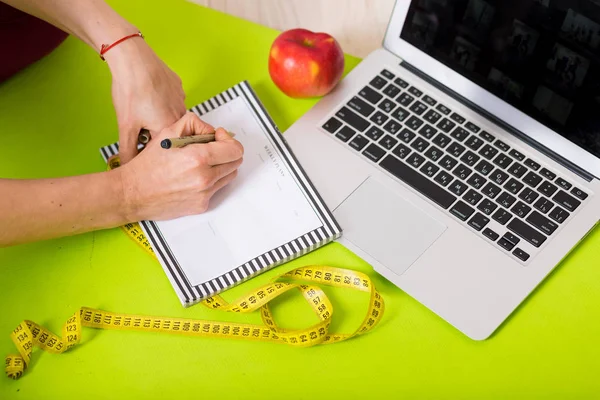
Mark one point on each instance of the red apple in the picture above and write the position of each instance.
(305, 64)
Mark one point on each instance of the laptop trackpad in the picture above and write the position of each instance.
(386, 226)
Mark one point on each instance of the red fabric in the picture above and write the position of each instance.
(24, 39)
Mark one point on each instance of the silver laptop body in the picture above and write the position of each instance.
(443, 185)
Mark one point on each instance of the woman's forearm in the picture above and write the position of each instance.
(93, 21)
(40, 209)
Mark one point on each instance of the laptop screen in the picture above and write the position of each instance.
(541, 56)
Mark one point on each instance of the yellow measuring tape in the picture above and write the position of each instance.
(305, 279)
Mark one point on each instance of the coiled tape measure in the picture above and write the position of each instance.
(29, 334)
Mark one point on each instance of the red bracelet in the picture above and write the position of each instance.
(106, 47)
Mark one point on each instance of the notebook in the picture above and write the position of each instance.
(268, 215)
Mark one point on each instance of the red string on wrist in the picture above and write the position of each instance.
(106, 47)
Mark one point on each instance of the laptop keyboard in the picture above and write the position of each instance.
(492, 188)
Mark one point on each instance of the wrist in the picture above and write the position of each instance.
(129, 52)
(124, 188)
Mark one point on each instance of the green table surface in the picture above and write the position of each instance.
(53, 118)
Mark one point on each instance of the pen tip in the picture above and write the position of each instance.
(165, 144)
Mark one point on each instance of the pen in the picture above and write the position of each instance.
(185, 140)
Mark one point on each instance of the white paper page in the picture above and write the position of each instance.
(260, 210)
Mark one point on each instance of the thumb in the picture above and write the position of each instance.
(191, 124)
(222, 134)
(128, 139)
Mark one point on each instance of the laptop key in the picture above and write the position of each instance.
(532, 179)
(516, 154)
(401, 151)
(443, 109)
(374, 152)
(429, 169)
(526, 232)
(456, 149)
(446, 125)
(490, 234)
(491, 190)
(462, 172)
(345, 134)
(392, 126)
(429, 101)
(415, 92)
(414, 123)
(379, 118)
(406, 135)
(418, 182)
(517, 170)
(559, 215)
(352, 119)
(415, 160)
(332, 125)
(580, 194)
(418, 108)
(391, 91)
(528, 196)
(488, 151)
(405, 99)
(470, 158)
(521, 255)
(400, 114)
(484, 167)
(359, 142)
(432, 116)
(474, 143)
(532, 164)
(378, 82)
(544, 205)
(443, 178)
(420, 145)
(521, 209)
(479, 221)
(548, 174)
(361, 106)
(547, 188)
(487, 207)
(503, 161)
(370, 95)
(387, 105)
(513, 186)
(505, 244)
(374, 133)
(442, 140)
(542, 223)
(462, 211)
(457, 118)
(472, 197)
(566, 200)
(563, 184)
(487, 136)
(460, 134)
(458, 188)
(501, 145)
(403, 84)
(511, 238)
(472, 127)
(506, 200)
(428, 131)
(387, 74)
(388, 142)
(499, 176)
(502, 216)
(477, 181)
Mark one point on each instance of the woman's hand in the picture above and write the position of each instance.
(163, 184)
(146, 93)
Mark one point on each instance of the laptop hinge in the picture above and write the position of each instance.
(512, 130)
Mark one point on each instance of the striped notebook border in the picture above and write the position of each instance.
(329, 231)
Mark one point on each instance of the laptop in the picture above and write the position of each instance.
(462, 159)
